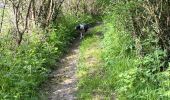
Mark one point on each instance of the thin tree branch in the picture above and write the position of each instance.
(3, 13)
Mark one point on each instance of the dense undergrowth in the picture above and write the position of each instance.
(23, 68)
(131, 74)
(134, 60)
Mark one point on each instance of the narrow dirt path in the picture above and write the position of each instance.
(62, 82)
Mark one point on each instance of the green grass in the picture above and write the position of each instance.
(107, 64)
(90, 68)
(118, 70)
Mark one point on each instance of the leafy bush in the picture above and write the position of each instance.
(118, 56)
(133, 63)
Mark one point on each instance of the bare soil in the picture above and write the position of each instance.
(62, 81)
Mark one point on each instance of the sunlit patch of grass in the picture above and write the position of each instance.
(90, 72)
(89, 55)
